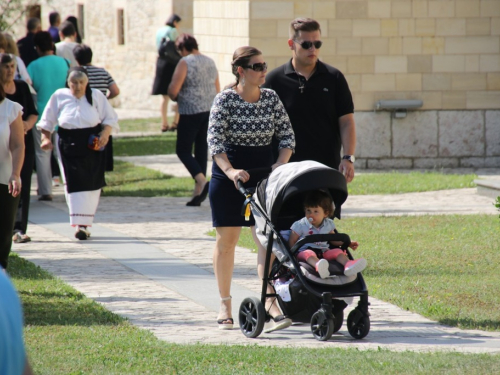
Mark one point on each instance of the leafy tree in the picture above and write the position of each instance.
(11, 11)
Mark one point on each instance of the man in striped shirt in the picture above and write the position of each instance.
(99, 78)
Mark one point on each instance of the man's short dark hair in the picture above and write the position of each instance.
(67, 29)
(53, 17)
(33, 24)
(43, 40)
(83, 54)
(187, 42)
(303, 24)
(173, 18)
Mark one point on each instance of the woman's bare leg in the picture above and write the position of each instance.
(164, 114)
(272, 306)
(223, 260)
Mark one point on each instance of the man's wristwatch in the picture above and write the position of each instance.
(351, 158)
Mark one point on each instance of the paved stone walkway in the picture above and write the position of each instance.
(150, 260)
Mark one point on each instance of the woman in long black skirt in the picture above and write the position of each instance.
(165, 71)
(243, 120)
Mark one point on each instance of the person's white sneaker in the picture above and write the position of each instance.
(322, 268)
(354, 266)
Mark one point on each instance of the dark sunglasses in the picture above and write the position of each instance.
(306, 45)
(258, 67)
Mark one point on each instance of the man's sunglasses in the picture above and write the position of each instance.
(258, 67)
(306, 45)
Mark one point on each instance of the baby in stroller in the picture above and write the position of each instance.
(318, 206)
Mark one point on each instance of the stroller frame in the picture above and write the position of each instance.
(328, 318)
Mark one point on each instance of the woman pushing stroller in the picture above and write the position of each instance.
(318, 206)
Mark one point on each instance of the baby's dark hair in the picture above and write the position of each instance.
(320, 198)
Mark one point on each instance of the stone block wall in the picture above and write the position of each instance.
(443, 52)
(428, 139)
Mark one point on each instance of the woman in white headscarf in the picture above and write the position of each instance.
(85, 121)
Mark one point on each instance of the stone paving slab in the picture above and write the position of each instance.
(166, 225)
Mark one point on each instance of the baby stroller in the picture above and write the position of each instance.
(276, 203)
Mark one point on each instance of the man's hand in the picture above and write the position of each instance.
(347, 169)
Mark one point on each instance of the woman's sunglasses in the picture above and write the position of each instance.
(306, 45)
(258, 67)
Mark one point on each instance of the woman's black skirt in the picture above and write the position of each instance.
(163, 76)
(226, 201)
(83, 167)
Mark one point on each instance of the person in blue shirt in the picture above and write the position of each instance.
(13, 359)
(48, 74)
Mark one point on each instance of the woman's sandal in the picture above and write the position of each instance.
(226, 323)
(173, 128)
(165, 128)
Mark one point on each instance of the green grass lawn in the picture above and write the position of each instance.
(66, 333)
(128, 180)
(141, 125)
(163, 144)
(442, 267)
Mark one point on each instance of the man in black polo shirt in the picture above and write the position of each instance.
(318, 101)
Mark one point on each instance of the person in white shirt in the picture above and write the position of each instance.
(65, 47)
(85, 121)
(11, 162)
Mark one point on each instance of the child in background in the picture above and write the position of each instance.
(319, 208)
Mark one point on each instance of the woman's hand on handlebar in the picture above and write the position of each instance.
(237, 174)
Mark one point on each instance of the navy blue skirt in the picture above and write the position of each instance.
(226, 201)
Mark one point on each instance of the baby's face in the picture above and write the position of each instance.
(317, 214)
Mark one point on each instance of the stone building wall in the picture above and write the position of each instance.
(443, 52)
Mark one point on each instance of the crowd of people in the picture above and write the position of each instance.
(302, 110)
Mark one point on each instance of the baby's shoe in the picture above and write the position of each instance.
(322, 268)
(354, 266)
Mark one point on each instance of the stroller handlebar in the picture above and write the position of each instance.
(257, 171)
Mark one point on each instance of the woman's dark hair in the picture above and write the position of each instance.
(43, 40)
(242, 57)
(187, 42)
(88, 90)
(6, 58)
(2, 93)
(83, 54)
(319, 198)
(74, 21)
(173, 18)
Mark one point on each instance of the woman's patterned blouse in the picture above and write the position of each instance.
(234, 121)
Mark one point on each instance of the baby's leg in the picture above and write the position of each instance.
(351, 267)
(336, 254)
(310, 257)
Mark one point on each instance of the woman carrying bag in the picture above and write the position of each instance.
(165, 67)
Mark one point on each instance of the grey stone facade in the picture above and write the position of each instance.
(428, 139)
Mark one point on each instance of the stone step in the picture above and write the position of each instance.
(489, 188)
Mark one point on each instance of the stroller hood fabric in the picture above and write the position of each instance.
(280, 196)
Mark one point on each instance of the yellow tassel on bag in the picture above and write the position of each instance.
(247, 210)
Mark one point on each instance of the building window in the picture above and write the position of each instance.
(121, 26)
(81, 20)
(33, 11)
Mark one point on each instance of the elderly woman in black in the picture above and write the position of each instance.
(18, 91)
(85, 121)
(243, 120)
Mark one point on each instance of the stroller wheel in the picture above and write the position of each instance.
(321, 326)
(252, 317)
(358, 324)
(338, 321)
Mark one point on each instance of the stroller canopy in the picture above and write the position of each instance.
(289, 183)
